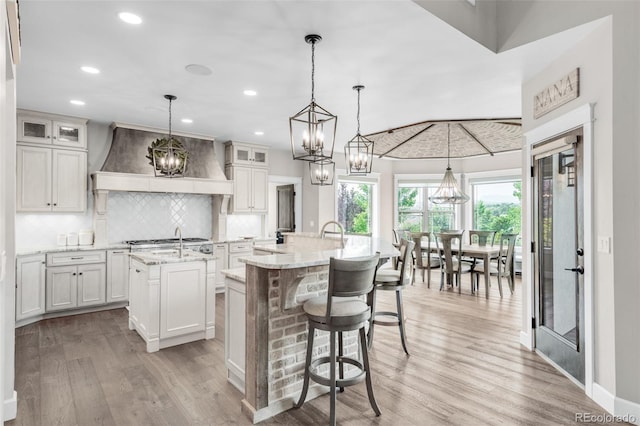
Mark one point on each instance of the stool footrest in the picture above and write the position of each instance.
(386, 314)
(326, 381)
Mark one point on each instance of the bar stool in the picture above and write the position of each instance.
(339, 311)
(393, 280)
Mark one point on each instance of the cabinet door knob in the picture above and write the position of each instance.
(48, 204)
(55, 204)
(55, 137)
(74, 274)
(80, 273)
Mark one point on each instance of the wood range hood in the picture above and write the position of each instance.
(127, 169)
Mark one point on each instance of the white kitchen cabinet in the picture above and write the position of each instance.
(182, 298)
(91, 284)
(250, 187)
(235, 331)
(246, 154)
(75, 279)
(49, 129)
(172, 303)
(30, 286)
(221, 252)
(51, 180)
(117, 276)
(62, 288)
(238, 250)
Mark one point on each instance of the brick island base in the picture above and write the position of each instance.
(276, 337)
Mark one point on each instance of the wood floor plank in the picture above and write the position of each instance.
(466, 367)
(90, 403)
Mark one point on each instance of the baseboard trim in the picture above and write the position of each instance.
(525, 340)
(11, 407)
(604, 398)
(628, 411)
(620, 408)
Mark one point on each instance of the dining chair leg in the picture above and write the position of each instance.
(403, 333)
(371, 318)
(340, 363)
(365, 363)
(332, 378)
(305, 384)
(428, 277)
(511, 286)
(500, 283)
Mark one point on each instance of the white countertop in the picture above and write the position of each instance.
(238, 274)
(290, 256)
(57, 249)
(151, 258)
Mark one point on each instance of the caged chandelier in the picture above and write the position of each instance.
(358, 152)
(168, 156)
(313, 129)
(448, 191)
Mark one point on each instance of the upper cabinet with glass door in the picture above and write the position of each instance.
(49, 129)
(246, 154)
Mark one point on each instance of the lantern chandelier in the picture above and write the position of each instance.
(322, 172)
(313, 129)
(167, 155)
(448, 192)
(358, 152)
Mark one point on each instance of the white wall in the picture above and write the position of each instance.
(609, 68)
(8, 402)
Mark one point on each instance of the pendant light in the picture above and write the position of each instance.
(322, 172)
(167, 155)
(358, 152)
(448, 192)
(313, 129)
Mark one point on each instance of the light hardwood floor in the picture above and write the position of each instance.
(466, 367)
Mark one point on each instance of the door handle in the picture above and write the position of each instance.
(580, 252)
(578, 269)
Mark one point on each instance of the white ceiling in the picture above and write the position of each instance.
(414, 66)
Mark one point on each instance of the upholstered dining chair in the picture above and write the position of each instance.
(425, 259)
(388, 279)
(450, 265)
(502, 266)
(341, 310)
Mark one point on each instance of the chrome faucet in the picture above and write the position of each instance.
(323, 232)
(179, 234)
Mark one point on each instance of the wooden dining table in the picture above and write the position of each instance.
(484, 253)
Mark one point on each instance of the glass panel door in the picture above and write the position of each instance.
(559, 269)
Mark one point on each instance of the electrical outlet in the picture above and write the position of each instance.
(604, 244)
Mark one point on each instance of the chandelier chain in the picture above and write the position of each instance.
(358, 116)
(170, 100)
(448, 145)
(313, 70)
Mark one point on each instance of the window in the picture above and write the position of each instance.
(497, 205)
(417, 214)
(356, 200)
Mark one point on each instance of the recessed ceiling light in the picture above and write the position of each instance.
(198, 69)
(130, 18)
(249, 92)
(258, 133)
(90, 70)
(76, 102)
(187, 120)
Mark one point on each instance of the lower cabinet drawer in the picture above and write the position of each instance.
(76, 257)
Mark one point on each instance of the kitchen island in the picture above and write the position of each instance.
(276, 327)
(172, 297)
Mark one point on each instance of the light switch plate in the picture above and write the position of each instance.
(604, 244)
